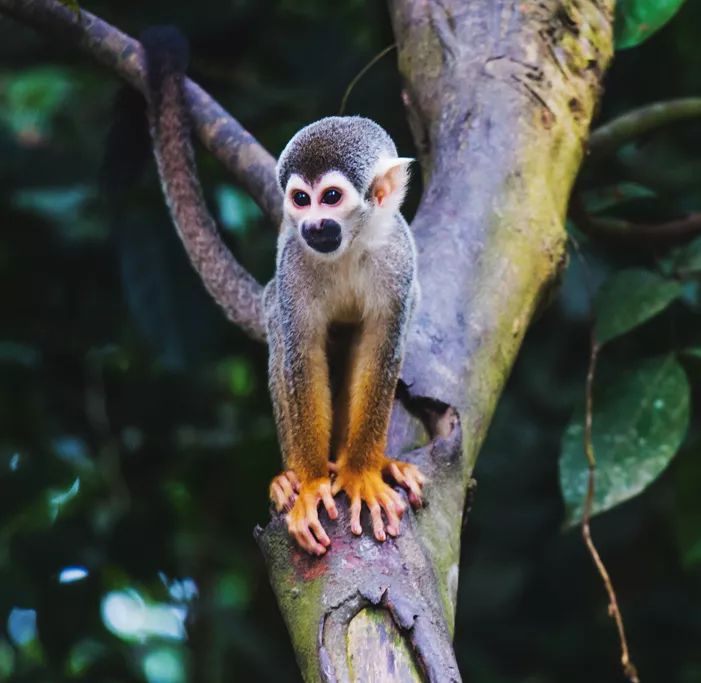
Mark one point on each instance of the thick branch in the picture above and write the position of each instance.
(608, 138)
(251, 165)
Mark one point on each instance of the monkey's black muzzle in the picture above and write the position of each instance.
(324, 236)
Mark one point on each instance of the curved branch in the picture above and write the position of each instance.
(669, 232)
(620, 230)
(250, 164)
(608, 138)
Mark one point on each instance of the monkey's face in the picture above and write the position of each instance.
(325, 214)
(331, 212)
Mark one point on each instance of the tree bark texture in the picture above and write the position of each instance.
(499, 96)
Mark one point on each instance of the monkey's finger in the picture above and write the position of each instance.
(329, 502)
(393, 498)
(308, 542)
(413, 483)
(417, 474)
(414, 474)
(304, 538)
(333, 467)
(293, 480)
(319, 532)
(398, 502)
(356, 504)
(378, 525)
(392, 514)
(285, 485)
(397, 474)
(414, 492)
(277, 496)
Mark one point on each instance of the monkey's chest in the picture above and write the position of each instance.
(352, 292)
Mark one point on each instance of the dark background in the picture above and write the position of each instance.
(136, 437)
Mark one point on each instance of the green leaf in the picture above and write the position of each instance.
(637, 20)
(687, 259)
(237, 211)
(640, 419)
(68, 207)
(604, 198)
(629, 298)
(31, 99)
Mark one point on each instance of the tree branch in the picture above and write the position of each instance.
(625, 233)
(617, 229)
(250, 164)
(233, 288)
(608, 138)
(629, 669)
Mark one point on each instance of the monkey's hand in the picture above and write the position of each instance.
(367, 485)
(303, 519)
(284, 488)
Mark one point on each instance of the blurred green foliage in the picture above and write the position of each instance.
(136, 439)
(637, 20)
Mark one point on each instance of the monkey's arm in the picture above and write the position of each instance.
(301, 396)
(362, 461)
(231, 286)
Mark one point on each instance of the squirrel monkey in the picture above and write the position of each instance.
(337, 310)
(337, 314)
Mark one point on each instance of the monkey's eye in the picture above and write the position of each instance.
(301, 198)
(332, 196)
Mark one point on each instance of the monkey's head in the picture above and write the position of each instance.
(340, 177)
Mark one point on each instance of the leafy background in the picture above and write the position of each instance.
(136, 439)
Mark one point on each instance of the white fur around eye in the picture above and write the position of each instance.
(297, 184)
(349, 195)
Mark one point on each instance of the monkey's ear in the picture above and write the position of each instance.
(390, 183)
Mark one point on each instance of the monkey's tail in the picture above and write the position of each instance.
(231, 286)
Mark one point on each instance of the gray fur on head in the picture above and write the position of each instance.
(349, 144)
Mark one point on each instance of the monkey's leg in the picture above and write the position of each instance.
(363, 462)
(301, 397)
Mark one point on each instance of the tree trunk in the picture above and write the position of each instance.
(499, 97)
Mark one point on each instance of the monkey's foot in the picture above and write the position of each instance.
(369, 486)
(408, 476)
(284, 488)
(303, 519)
